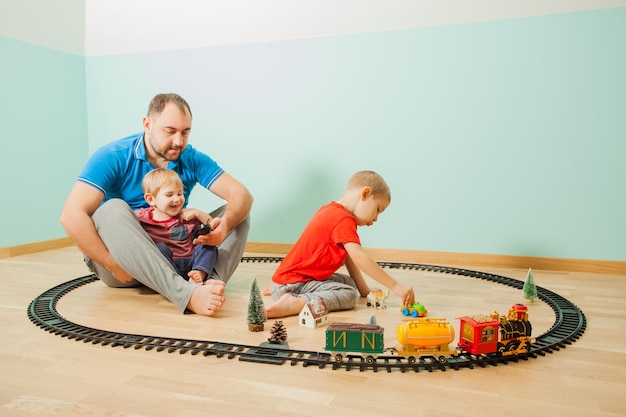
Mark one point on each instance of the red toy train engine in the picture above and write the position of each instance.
(506, 335)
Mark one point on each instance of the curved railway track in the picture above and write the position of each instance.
(569, 325)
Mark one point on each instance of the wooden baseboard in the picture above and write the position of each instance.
(35, 247)
(466, 259)
(397, 255)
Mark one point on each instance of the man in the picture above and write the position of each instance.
(98, 213)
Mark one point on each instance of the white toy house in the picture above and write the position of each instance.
(314, 314)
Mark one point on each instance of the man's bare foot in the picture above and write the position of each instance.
(207, 299)
(197, 276)
(286, 305)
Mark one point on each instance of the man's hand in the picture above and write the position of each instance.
(121, 275)
(219, 230)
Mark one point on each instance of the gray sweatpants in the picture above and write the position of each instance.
(339, 292)
(136, 252)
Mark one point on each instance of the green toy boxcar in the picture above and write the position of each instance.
(366, 339)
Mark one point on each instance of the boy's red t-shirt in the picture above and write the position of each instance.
(174, 232)
(319, 251)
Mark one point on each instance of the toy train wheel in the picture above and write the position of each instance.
(411, 360)
(338, 357)
(370, 360)
(442, 359)
(415, 314)
(512, 346)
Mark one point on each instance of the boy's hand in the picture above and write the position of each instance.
(188, 214)
(405, 293)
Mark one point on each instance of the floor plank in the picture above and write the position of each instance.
(45, 374)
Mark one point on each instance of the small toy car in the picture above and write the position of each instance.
(414, 310)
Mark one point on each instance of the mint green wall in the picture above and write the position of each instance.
(499, 137)
(44, 130)
(502, 137)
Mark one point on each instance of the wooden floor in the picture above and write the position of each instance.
(42, 374)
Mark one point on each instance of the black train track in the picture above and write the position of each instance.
(569, 325)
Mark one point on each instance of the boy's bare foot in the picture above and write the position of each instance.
(207, 299)
(197, 276)
(286, 305)
(267, 290)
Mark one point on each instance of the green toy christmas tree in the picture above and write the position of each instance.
(256, 309)
(529, 291)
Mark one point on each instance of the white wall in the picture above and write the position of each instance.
(96, 27)
(54, 24)
(123, 26)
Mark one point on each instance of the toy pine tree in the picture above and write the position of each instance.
(278, 333)
(530, 289)
(372, 319)
(256, 309)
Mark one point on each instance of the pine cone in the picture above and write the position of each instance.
(278, 333)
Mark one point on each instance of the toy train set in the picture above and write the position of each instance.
(494, 334)
(569, 325)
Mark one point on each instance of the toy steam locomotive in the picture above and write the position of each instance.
(431, 337)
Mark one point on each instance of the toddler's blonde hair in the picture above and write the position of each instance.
(157, 178)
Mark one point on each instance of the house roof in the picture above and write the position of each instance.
(317, 307)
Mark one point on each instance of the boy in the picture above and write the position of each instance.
(172, 227)
(329, 241)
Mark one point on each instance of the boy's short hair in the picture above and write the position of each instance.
(159, 177)
(370, 179)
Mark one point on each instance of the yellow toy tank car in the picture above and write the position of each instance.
(425, 337)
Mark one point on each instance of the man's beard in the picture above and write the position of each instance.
(164, 156)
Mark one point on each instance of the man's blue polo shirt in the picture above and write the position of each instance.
(118, 168)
